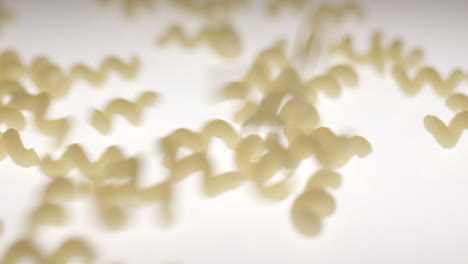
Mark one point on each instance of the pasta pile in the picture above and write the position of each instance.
(276, 100)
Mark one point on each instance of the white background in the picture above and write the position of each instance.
(404, 203)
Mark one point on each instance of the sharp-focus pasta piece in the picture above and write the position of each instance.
(133, 112)
(127, 70)
(222, 38)
(13, 146)
(427, 75)
(447, 136)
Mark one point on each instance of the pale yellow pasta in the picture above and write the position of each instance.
(9, 87)
(109, 65)
(133, 112)
(39, 105)
(427, 75)
(266, 114)
(113, 217)
(378, 55)
(323, 179)
(26, 249)
(209, 9)
(181, 138)
(447, 136)
(12, 67)
(345, 74)
(304, 219)
(16, 151)
(274, 6)
(182, 168)
(121, 169)
(12, 117)
(47, 214)
(236, 90)
(50, 78)
(457, 102)
(221, 129)
(247, 110)
(71, 249)
(59, 189)
(214, 186)
(157, 192)
(75, 157)
(297, 113)
(339, 152)
(222, 38)
(249, 150)
(335, 13)
(21, 250)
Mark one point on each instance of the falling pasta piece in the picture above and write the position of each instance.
(157, 192)
(324, 179)
(378, 55)
(222, 38)
(457, 102)
(413, 85)
(72, 249)
(14, 146)
(12, 117)
(214, 186)
(12, 67)
(133, 112)
(274, 6)
(114, 218)
(196, 162)
(60, 189)
(447, 136)
(109, 65)
(335, 13)
(221, 129)
(247, 110)
(20, 250)
(49, 78)
(249, 150)
(297, 113)
(181, 138)
(39, 105)
(209, 9)
(47, 214)
(236, 90)
(305, 220)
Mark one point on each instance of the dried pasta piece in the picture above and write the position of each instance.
(457, 102)
(12, 117)
(16, 151)
(427, 75)
(246, 111)
(274, 6)
(249, 150)
(324, 179)
(236, 90)
(59, 189)
(447, 136)
(12, 67)
(221, 129)
(9, 87)
(209, 9)
(336, 13)
(113, 217)
(21, 250)
(214, 186)
(297, 113)
(222, 38)
(340, 151)
(47, 214)
(76, 157)
(102, 120)
(109, 65)
(72, 249)
(378, 55)
(182, 168)
(181, 138)
(49, 78)
(39, 105)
